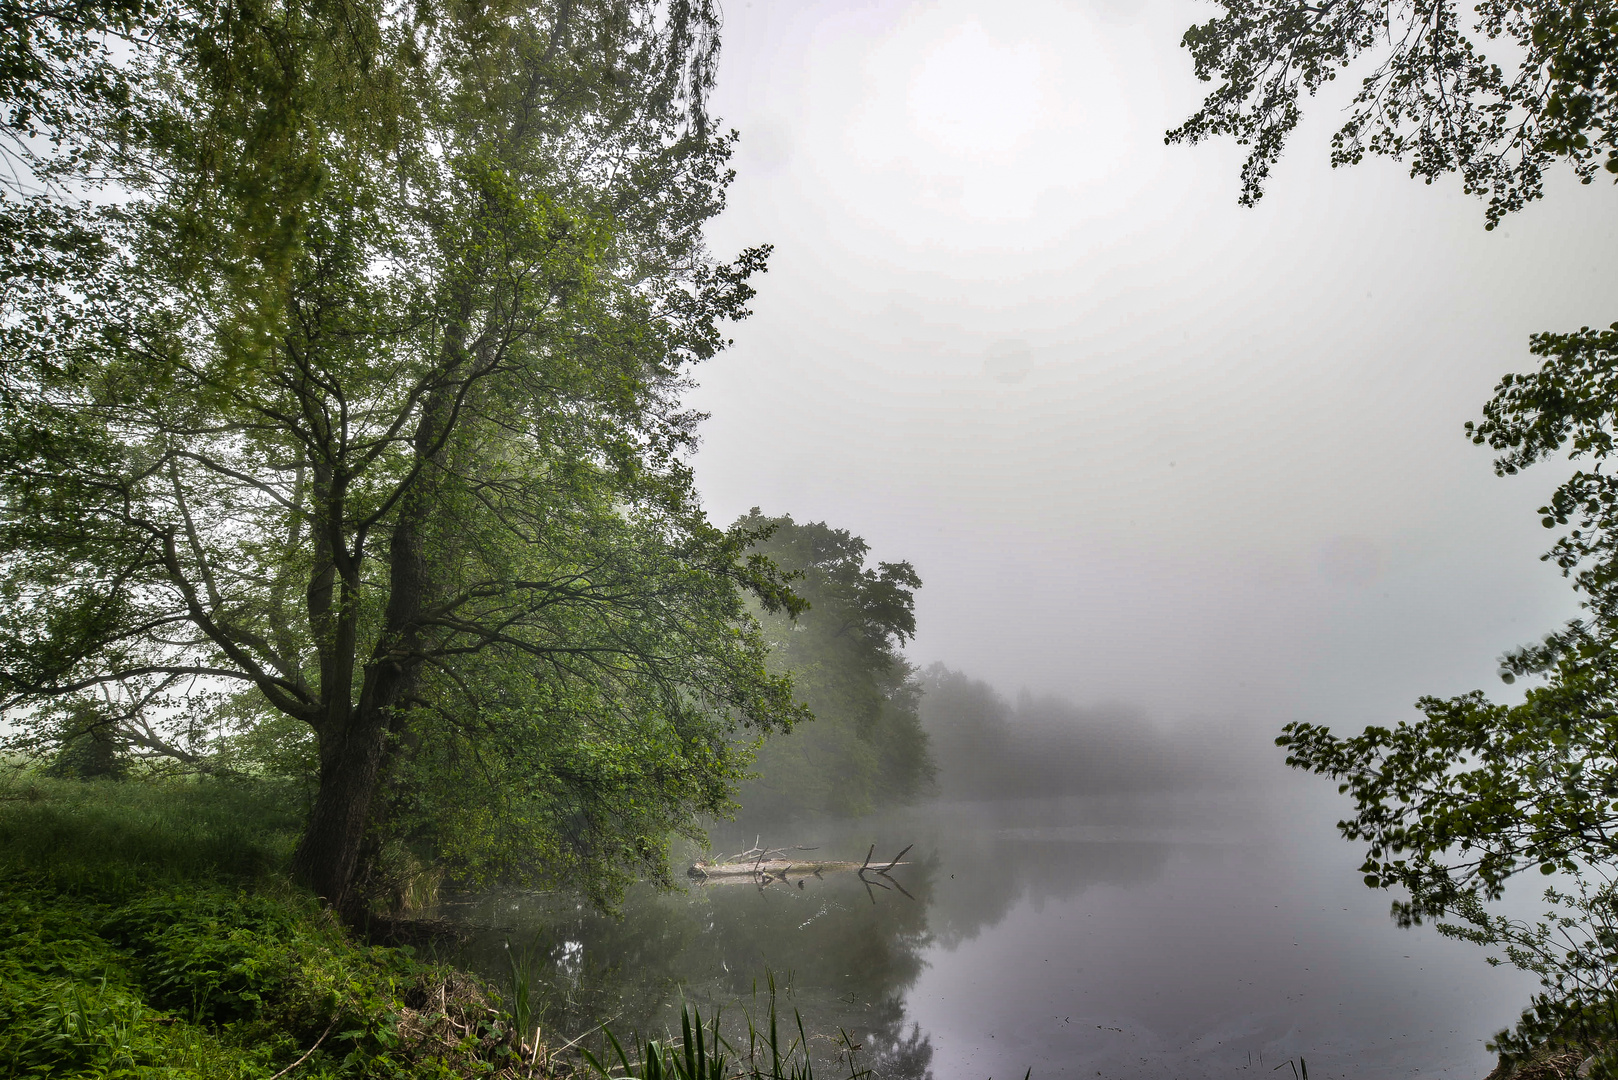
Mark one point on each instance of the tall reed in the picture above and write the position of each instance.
(708, 1055)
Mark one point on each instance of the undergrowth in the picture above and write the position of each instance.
(148, 930)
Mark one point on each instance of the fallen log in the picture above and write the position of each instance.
(761, 866)
(707, 871)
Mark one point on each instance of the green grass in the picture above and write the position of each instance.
(111, 837)
(148, 929)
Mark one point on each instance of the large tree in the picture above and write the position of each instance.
(1453, 805)
(368, 405)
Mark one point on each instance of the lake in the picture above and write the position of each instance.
(1196, 936)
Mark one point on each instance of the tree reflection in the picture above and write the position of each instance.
(844, 962)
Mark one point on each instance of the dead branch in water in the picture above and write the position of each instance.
(762, 866)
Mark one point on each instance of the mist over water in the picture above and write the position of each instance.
(1089, 894)
(990, 748)
(1142, 445)
(1173, 474)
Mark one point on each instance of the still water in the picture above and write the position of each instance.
(1198, 937)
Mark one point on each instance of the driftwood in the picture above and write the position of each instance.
(761, 866)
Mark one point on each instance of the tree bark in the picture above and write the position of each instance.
(329, 852)
(354, 738)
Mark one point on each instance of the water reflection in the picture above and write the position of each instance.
(844, 953)
(844, 961)
(1090, 938)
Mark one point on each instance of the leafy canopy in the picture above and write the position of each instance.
(1431, 96)
(364, 413)
(1452, 806)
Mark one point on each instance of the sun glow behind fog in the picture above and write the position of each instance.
(1140, 442)
(971, 118)
(975, 96)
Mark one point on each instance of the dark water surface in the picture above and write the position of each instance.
(1201, 938)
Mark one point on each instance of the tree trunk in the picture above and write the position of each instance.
(353, 740)
(329, 853)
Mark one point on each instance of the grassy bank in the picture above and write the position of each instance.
(149, 930)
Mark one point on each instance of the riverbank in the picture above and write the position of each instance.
(149, 928)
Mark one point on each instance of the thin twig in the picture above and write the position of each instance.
(311, 1050)
(898, 886)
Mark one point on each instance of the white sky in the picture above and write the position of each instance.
(1141, 444)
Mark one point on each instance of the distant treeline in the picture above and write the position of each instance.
(986, 747)
(886, 734)
(865, 749)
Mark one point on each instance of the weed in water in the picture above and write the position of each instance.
(705, 1054)
(522, 1004)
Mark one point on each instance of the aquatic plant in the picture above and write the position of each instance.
(708, 1055)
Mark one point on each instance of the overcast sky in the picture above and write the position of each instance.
(1142, 445)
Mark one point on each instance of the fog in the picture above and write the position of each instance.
(1174, 473)
(990, 749)
(1144, 446)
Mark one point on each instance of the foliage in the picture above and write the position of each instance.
(367, 407)
(147, 928)
(143, 929)
(61, 82)
(1454, 805)
(100, 837)
(866, 747)
(1431, 94)
(88, 755)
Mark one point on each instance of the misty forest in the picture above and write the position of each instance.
(548, 538)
